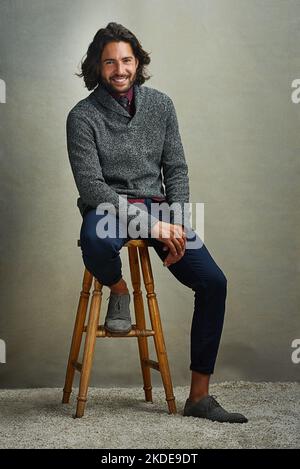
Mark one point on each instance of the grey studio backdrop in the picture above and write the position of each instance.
(228, 65)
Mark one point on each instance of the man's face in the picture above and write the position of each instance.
(118, 67)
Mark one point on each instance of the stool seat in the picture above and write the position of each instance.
(131, 243)
(136, 243)
(138, 256)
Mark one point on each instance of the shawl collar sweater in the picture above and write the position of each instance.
(113, 154)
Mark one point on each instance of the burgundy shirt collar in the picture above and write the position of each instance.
(128, 95)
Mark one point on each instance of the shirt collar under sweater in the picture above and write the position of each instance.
(104, 96)
(128, 95)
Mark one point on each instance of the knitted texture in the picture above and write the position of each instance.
(113, 154)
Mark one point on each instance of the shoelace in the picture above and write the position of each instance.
(212, 401)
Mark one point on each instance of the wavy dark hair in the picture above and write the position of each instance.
(114, 32)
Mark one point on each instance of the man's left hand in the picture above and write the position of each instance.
(173, 258)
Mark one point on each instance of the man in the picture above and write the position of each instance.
(124, 146)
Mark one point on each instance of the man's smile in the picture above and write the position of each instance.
(119, 80)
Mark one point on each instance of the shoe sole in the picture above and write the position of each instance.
(113, 331)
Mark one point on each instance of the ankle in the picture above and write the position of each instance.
(119, 292)
(119, 288)
(197, 397)
(199, 385)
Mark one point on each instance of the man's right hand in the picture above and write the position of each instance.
(174, 238)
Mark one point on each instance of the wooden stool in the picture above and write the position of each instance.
(93, 330)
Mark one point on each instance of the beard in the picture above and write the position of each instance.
(109, 85)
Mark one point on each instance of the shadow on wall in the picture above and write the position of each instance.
(243, 358)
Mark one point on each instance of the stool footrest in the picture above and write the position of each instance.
(135, 332)
(77, 366)
(151, 364)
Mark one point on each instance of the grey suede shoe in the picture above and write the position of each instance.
(209, 408)
(118, 314)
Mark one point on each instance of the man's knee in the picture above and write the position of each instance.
(91, 243)
(221, 280)
(215, 281)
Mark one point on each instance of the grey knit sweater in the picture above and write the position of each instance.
(113, 154)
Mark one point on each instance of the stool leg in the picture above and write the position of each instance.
(89, 347)
(157, 327)
(140, 320)
(77, 334)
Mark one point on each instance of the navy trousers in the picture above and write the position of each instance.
(196, 270)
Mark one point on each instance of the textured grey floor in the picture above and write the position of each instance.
(119, 418)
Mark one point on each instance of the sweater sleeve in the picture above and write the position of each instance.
(87, 172)
(175, 169)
